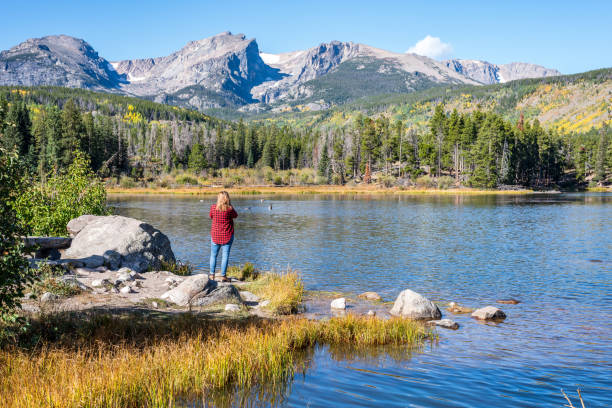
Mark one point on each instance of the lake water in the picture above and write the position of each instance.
(552, 252)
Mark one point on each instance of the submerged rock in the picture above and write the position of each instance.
(339, 303)
(489, 313)
(116, 241)
(413, 305)
(458, 309)
(446, 323)
(370, 296)
(509, 301)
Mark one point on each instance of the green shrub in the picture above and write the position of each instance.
(15, 272)
(445, 182)
(425, 182)
(48, 281)
(186, 179)
(127, 182)
(246, 272)
(45, 209)
(387, 181)
(278, 180)
(177, 268)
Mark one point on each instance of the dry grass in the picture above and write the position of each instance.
(320, 189)
(107, 361)
(284, 290)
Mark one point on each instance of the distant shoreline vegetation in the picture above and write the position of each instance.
(139, 143)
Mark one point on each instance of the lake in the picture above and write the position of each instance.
(551, 252)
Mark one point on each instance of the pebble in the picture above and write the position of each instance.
(28, 295)
(371, 313)
(232, 308)
(264, 303)
(126, 290)
(154, 304)
(96, 283)
(135, 275)
(339, 303)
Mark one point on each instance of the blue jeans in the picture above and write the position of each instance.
(225, 251)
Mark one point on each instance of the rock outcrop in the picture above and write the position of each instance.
(115, 241)
(487, 73)
(415, 306)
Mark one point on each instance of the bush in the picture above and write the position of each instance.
(15, 272)
(45, 209)
(425, 182)
(246, 272)
(127, 182)
(387, 181)
(186, 179)
(48, 282)
(278, 180)
(445, 182)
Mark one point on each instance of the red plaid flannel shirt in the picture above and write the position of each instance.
(222, 224)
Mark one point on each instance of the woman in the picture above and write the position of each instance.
(221, 233)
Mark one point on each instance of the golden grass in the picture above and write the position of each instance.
(284, 290)
(134, 362)
(599, 189)
(321, 189)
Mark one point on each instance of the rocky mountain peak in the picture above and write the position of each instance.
(57, 60)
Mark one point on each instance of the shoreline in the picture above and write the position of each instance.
(319, 190)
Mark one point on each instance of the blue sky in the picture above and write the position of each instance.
(571, 36)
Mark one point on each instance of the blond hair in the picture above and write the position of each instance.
(223, 201)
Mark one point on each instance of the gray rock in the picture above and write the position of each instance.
(339, 303)
(114, 290)
(489, 313)
(264, 303)
(232, 308)
(446, 323)
(75, 225)
(217, 294)
(248, 296)
(48, 297)
(116, 241)
(371, 313)
(415, 306)
(126, 289)
(190, 287)
(154, 305)
(28, 295)
(72, 281)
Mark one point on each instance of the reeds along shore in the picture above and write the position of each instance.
(111, 361)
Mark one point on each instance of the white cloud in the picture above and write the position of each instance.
(431, 47)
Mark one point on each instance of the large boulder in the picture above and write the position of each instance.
(115, 241)
(415, 306)
(217, 293)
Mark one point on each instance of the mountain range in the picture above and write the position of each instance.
(229, 71)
